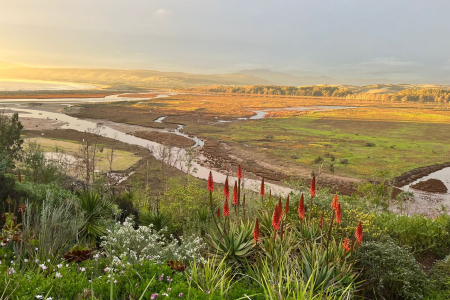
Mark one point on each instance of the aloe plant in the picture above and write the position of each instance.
(234, 245)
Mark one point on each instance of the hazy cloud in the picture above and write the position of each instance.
(338, 38)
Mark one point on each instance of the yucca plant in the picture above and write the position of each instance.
(234, 245)
(97, 212)
(158, 219)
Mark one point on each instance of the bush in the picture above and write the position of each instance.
(440, 274)
(391, 271)
(125, 242)
(418, 232)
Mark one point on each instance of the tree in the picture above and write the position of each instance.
(10, 130)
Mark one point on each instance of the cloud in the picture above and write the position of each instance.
(161, 12)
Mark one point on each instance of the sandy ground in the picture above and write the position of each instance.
(39, 124)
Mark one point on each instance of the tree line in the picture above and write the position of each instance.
(423, 95)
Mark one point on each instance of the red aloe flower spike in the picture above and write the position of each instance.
(226, 208)
(346, 244)
(359, 233)
(313, 187)
(226, 189)
(239, 172)
(280, 210)
(286, 208)
(262, 190)
(338, 213)
(275, 223)
(20, 177)
(301, 208)
(210, 188)
(210, 182)
(335, 202)
(321, 221)
(218, 213)
(235, 194)
(256, 233)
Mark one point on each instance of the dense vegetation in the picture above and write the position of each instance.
(209, 242)
(313, 90)
(422, 95)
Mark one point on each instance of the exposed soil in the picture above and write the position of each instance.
(395, 192)
(411, 176)
(431, 186)
(223, 157)
(39, 124)
(427, 261)
(165, 138)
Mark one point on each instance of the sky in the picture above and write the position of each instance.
(402, 40)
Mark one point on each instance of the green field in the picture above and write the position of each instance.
(383, 147)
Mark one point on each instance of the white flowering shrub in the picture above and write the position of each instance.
(134, 245)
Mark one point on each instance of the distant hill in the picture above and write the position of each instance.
(279, 78)
(130, 78)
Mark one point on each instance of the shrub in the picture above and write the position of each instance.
(391, 271)
(125, 242)
(440, 274)
(418, 232)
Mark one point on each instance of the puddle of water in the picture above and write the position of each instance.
(442, 175)
(160, 119)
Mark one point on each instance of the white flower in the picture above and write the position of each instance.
(49, 298)
(43, 267)
(83, 269)
(58, 275)
(25, 260)
(36, 260)
(39, 297)
(37, 250)
(59, 266)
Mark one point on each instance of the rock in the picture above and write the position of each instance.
(370, 144)
(344, 161)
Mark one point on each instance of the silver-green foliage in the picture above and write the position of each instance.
(123, 241)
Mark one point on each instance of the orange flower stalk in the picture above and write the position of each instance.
(235, 194)
(210, 188)
(226, 189)
(239, 176)
(239, 172)
(301, 208)
(276, 218)
(210, 182)
(335, 202)
(359, 233)
(313, 187)
(256, 233)
(218, 213)
(338, 213)
(286, 208)
(346, 244)
(226, 208)
(20, 177)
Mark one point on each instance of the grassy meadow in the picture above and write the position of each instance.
(374, 139)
